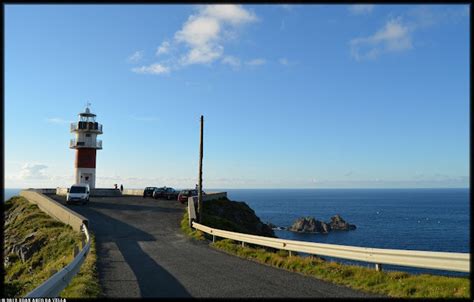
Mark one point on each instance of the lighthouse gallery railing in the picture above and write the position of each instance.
(73, 143)
(87, 126)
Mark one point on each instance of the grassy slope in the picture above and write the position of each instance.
(86, 283)
(21, 278)
(393, 284)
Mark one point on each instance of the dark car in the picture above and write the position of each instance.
(148, 192)
(185, 194)
(170, 193)
(158, 192)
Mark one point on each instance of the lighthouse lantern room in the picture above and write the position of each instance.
(86, 145)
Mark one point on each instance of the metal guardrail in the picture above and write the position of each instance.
(458, 262)
(56, 283)
(192, 210)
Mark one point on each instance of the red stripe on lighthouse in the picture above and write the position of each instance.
(85, 158)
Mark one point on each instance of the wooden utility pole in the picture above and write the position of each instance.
(200, 172)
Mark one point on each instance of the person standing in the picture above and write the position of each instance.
(121, 188)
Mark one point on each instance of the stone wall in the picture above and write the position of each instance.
(94, 192)
(138, 192)
(55, 209)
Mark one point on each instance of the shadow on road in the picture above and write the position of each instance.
(153, 280)
(130, 207)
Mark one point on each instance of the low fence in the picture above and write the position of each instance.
(208, 196)
(56, 283)
(55, 209)
(193, 201)
(97, 192)
(137, 192)
(459, 262)
(45, 191)
(61, 191)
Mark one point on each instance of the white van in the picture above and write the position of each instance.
(78, 192)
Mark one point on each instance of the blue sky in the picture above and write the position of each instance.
(293, 96)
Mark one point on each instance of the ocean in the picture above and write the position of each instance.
(9, 193)
(410, 219)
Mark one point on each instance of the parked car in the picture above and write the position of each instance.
(148, 192)
(170, 193)
(185, 194)
(158, 192)
(78, 192)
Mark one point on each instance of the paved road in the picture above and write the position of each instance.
(142, 253)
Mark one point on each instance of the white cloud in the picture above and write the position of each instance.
(286, 62)
(32, 172)
(232, 13)
(201, 38)
(136, 56)
(163, 48)
(396, 35)
(232, 61)
(203, 33)
(256, 62)
(202, 54)
(152, 69)
(393, 37)
(361, 9)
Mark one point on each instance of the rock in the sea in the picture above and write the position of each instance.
(271, 225)
(309, 225)
(275, 227)
(339, 224)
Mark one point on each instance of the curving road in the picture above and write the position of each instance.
(142, 253)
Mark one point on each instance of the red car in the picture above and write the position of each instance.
(185, 194)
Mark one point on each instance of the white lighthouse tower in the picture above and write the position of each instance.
(86, 145)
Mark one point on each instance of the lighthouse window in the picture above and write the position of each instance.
(88, 135)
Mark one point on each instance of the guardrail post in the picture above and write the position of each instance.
(378, 267)
(290, 254)
(243, 244)
(75, 251)
(213, 238)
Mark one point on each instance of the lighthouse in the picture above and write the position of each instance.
(86, 145)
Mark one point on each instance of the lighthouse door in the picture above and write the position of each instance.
(87, 178)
